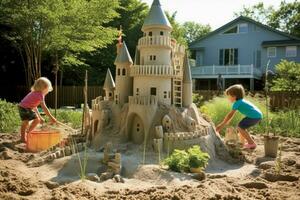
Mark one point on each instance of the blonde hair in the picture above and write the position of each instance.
(236, 90)
(41, 83)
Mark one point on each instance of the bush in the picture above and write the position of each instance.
(182, 161)
(9, 117)
(287, 76)
(72, 117)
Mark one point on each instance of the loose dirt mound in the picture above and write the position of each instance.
(259, 180)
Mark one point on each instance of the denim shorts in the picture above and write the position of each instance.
(248, 122)
(27, 114)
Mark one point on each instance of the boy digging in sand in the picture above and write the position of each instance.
(235, 94)
(28, 106)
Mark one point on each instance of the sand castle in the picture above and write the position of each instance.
(150, 100)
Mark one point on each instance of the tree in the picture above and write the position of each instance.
(287, 77)
(63, 28)
(194, 31)
(286, 18)
(178, 30)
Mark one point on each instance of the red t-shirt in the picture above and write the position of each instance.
(32, 100)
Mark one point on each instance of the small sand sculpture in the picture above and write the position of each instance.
(150, 101)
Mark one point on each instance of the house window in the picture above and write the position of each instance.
(228, 57)
(243, 28)
(150, 33)
(119, 71)
(161, 33)
(291, 51)
(271, 52)
(153, 91)
(231, 30)
(124, 72)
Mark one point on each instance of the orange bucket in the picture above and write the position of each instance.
(42, 140)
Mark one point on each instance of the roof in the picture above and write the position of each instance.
(109, 81)
(156, 16)
(187, 75)
(123, 56)
(244, 19)
(280, 43)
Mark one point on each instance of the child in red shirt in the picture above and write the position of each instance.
(28, 106)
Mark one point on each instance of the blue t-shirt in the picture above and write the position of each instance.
(247, 108)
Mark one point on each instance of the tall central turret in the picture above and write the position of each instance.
(153, 69)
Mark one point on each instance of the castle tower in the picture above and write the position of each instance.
(187, 83)
(153, 69)
(109, 86)
(123, 64)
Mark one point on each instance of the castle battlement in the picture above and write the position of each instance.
(179, 49)
(185, 135)
(154, 70)
(160, 41)
(96, 103)
(143, 100)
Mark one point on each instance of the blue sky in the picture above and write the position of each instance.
(213, 12)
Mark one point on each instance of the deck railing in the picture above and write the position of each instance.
(226, 70)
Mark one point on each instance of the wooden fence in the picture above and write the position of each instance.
(67, 95)
(278, 100)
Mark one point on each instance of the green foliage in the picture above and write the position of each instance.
(194, 31)
(218, 107)
(9, 117)
(182, 161)
(286, 17)
(178, 32)
(178, 161)
(198, 99)
(69, 116)
(287, 77)
(197, 158)
(62, 28)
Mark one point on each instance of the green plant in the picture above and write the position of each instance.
(197, 158)
(178, 161)
(9, 117)
(70, 116)
(198, 99)
(82, 163)
(182, 160)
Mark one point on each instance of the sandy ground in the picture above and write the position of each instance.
(255, 179)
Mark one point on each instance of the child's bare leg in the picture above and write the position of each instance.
(33, 124)
(24, 126)
(246, 135)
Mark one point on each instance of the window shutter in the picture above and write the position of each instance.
(236, 56)
(221, 56)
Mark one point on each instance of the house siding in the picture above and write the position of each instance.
(280, 55)
(246, 43)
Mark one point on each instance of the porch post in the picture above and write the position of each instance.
(251, 84)
(224, 84)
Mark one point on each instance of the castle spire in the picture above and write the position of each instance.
(109, 83)
(123, 56)
(187, 75)
(156, 17)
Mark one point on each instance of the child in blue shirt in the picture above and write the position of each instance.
(253, 115)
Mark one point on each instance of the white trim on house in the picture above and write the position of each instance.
(268, 52)
(291, 48)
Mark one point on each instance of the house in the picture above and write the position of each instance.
(238, 52)
(150, 99)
